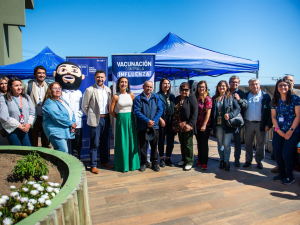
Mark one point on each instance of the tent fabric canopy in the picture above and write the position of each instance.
(177, 59)
(24, 69)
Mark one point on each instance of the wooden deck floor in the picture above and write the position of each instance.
(173, 196)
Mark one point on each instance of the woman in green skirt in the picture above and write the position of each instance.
(126, 147)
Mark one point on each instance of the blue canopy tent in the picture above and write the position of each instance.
(177, 59)
(24, 69)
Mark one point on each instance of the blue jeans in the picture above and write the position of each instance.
(283, 152)
(237, 144)
(99, 140)
(224, 143)
(18, 137)
(59, 144)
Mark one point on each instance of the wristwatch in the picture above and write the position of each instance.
(292, 129)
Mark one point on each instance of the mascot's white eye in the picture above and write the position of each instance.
(63, 70)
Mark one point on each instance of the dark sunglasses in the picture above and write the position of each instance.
(184, 90)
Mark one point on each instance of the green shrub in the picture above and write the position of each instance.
(31, 165)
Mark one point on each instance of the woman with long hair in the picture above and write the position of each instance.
(3, 91)
(59, 120)
(166, 122)
(203, 122)
(223, 100)
(184, 123)
(285, 111)
(17, 113)
(126, 146)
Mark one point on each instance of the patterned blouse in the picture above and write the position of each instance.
(177, 115)
(287, 112)
(202, 111)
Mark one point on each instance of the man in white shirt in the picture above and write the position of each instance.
(69, 76)
(95, 104)
(36, 89)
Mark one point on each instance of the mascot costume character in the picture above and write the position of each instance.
(69, 76)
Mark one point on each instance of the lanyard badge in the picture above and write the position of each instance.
(21, 117)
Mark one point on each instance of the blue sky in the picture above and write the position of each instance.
(264, 30)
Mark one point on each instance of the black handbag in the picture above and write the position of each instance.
(234, 122)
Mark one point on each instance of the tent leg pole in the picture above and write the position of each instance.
(256, 74)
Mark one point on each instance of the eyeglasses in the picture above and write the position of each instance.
(184, 90)
(56, 89)
(282, 85)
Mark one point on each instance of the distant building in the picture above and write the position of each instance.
(12, 16)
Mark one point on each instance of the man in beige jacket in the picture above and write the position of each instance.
(95, 104)
(36, 89)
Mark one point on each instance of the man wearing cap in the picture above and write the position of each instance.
(148, 109)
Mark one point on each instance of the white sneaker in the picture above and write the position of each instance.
(181, 163)
(188, 167)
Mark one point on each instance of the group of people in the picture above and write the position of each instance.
(148, 119)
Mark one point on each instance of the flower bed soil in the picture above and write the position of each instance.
(58, 172)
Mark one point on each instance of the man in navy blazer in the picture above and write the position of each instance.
(148, 109)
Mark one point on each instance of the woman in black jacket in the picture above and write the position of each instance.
(223, 100)
(166, 122)
(184, 122)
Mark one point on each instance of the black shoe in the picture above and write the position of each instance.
(227, 166)
(169, 162)
(156, 168)
(237, 164)
(162, 162)
(247, 164)
(143, 168)
(221, 165)
(260, 165)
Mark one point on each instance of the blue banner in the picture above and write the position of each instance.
(88, 66)
(138, 68)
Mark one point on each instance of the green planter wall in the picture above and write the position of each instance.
(71, 205)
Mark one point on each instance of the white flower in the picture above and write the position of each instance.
(16, 208)
(32, 201)
(19, 198)
(7, 221)
(31, 182)
(49, 189)
(25, 189)
(0, 214)
(30, 207)
(56, 184)
(40, 188)
(2, 201)
(45, 177)
(24, 199)
(53, 194)
(48, 202)
(56, 190)
(5, 197)
(34, 192)
(14, 194)
(45, 196)
(51, 184)
(41, 200)
(13, 187)
(36, 185)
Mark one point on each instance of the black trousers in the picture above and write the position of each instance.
(202, 142)
(143, 148)
(163, 132)
(77, 143)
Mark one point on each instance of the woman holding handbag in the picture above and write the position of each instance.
(184, 123)
(225, 107)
